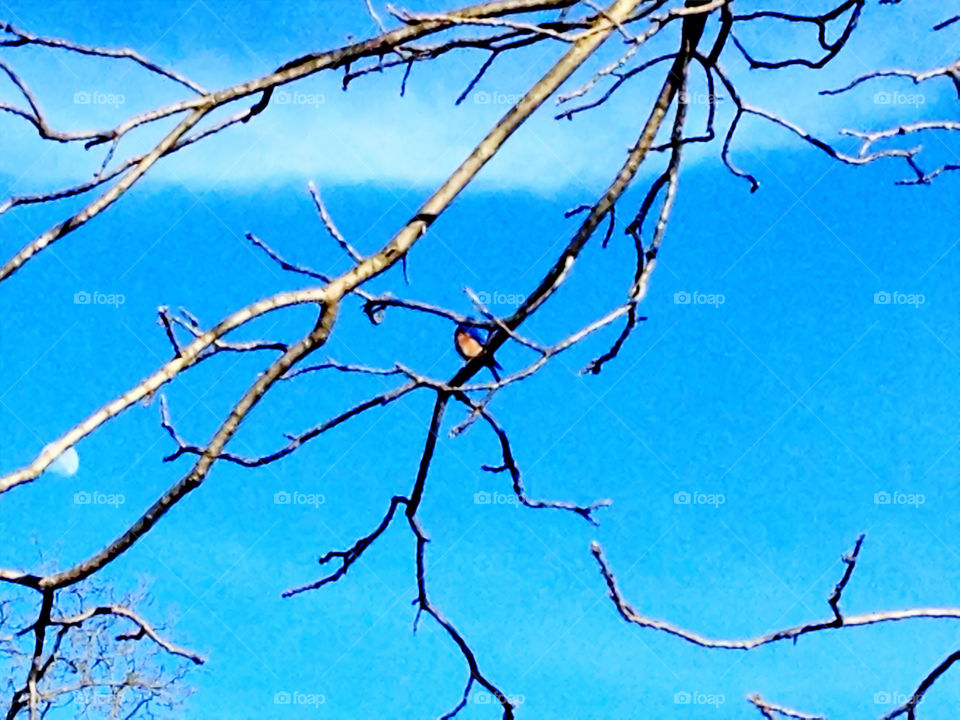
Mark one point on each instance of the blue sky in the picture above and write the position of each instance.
(797, 398)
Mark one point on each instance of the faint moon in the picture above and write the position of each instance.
(66, 464)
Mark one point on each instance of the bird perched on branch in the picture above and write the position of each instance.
(470, 343)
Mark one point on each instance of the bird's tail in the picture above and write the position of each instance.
(494, 366)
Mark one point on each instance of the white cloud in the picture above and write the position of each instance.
(313, 130)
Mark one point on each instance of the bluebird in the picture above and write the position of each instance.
(470, 343)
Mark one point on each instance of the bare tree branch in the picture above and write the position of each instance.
(20, 38)
(772, 712)
(633, 616)
(144, 628)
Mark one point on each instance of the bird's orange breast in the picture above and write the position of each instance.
(468, 346)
